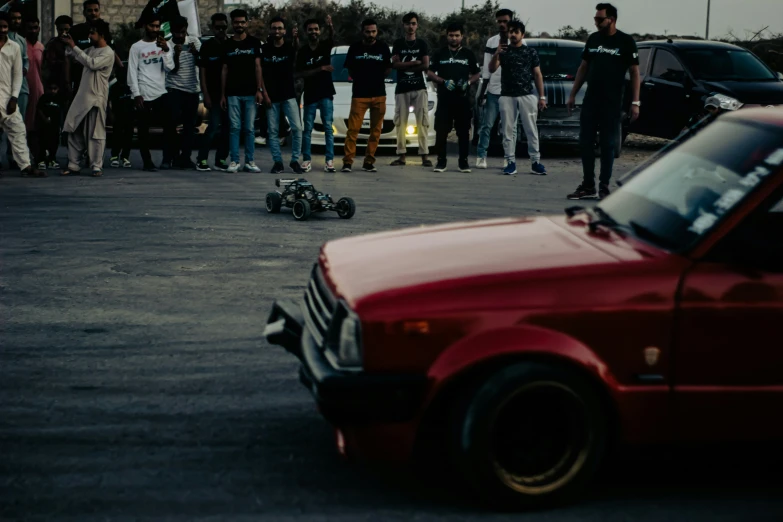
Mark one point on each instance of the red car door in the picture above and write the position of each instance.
(728, 363)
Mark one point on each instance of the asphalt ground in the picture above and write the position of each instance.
(135, 384)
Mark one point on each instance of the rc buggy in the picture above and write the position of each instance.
(301, 196)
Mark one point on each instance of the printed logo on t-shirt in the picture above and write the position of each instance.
(454, 60)
(152, 57)
(313, 61)
(604, 50)
(276, 59)
(237, 52)
(367, 56)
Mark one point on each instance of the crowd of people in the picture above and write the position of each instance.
(65, 87)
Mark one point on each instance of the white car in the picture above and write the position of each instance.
(342, 107)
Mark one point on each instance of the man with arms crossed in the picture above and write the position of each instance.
(522, 67)
(243, 88)
(278, 58)
(608, 54)
(11, 120)
(410, 56)
(314, 64)
(453, 69)
(369, 63)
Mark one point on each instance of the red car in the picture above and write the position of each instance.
(529, 346)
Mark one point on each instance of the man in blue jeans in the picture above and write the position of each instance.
(242, 88)
(278, 58)
(314, 65)
(490, 88)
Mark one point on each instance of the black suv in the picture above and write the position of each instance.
(678, 75)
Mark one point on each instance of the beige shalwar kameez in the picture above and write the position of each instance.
(10, 85)
(86, 119)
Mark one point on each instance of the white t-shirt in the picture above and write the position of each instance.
(147, 66)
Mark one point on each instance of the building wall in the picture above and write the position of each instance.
(128, 11)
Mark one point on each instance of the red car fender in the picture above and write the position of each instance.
(640, 411)
(471, 351)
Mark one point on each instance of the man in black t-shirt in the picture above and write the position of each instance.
(453, 69)
(278, 58)
(521, 68)
(369, 63)
(313, 63)
(410, 57)
(210, 65)
(243, 88)
(608, 54)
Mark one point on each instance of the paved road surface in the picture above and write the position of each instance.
(134, 384)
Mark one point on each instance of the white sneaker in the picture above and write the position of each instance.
(233, 167)
(329, 167)
(252, 167)
(260, 140)
(481, 163)
(307, 166)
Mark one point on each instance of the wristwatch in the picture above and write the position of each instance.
(637, 103)
(542, 98)
(260, 89)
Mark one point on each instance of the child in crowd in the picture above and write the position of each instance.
(50, 120)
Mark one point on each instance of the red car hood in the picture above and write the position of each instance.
(362, 266)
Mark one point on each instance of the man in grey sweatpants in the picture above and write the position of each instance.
(521, 67)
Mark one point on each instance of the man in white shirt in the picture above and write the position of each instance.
(11, 119)
(148, 60)
(490, 87)
(183, 87)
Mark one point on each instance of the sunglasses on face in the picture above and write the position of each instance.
(600, 19)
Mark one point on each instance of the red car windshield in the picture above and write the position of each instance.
(683, 195)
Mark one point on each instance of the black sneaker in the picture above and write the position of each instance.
(440, 167)
(369, 167)
(583, 192)
(277, 168)
(603, 190)
(149, 168)
(296, 167)
(203, 166)
(464, 166)
(165, 165)
(221, 165)
(346, 167)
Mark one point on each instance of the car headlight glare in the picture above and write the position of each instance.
(349, 352)
(410, 129)
(726, 103)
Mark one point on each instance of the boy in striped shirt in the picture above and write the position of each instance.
(182, 85)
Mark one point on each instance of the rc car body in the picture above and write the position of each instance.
(303, 199)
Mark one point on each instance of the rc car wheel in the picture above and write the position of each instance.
(301, 209)
(530, 435)
(273, 202)
(346, 208)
